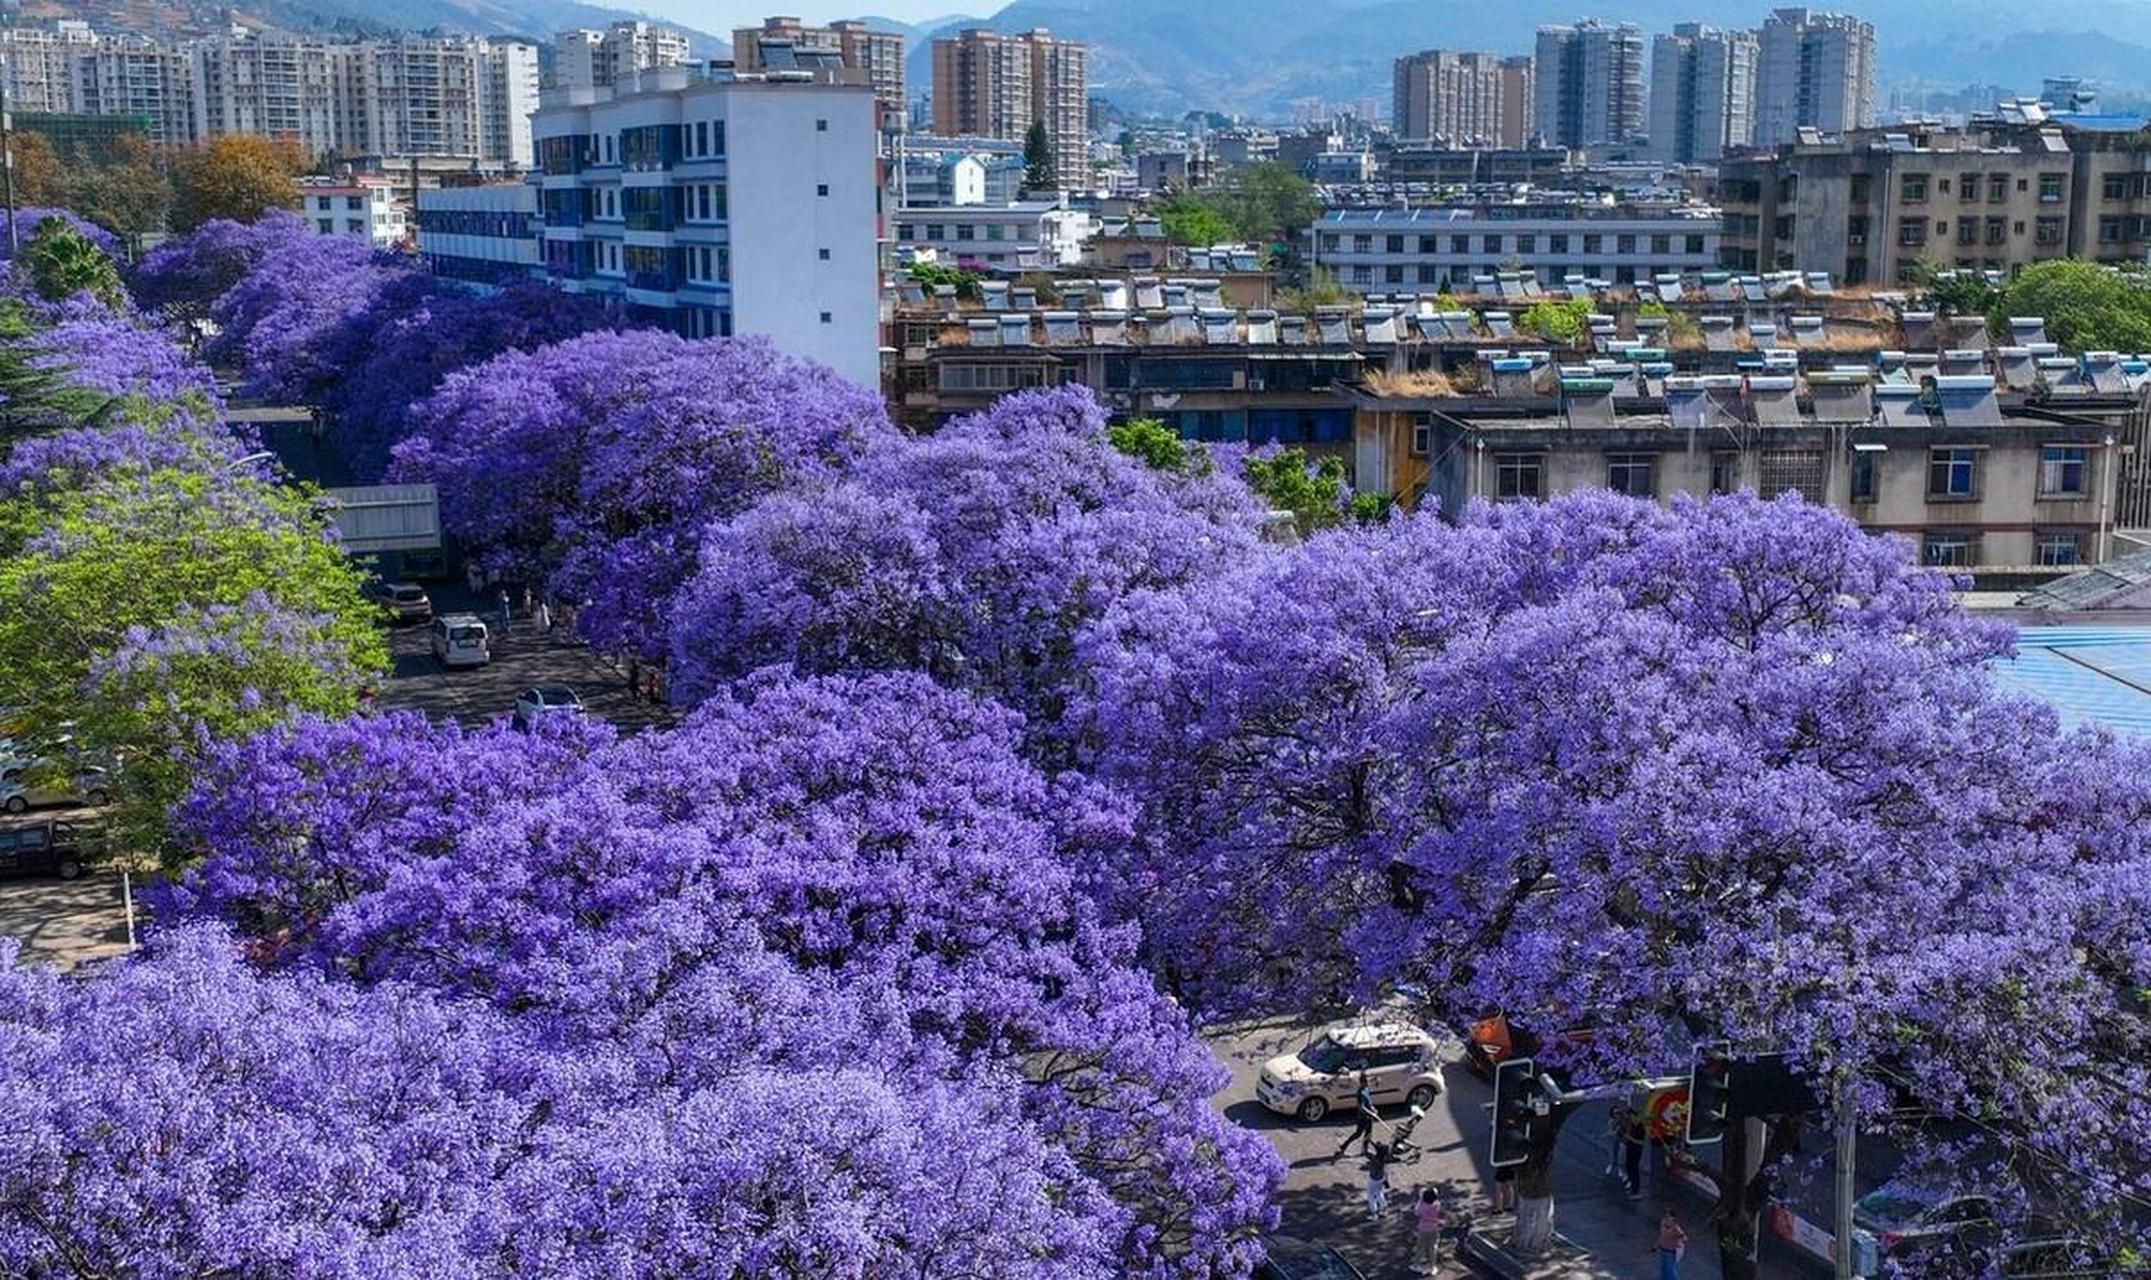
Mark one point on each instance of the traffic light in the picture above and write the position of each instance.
(1710, 1096)
(1517, 1104)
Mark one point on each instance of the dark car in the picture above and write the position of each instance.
(47, 848)
(1286, 1258)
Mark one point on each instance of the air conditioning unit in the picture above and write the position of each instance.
(1856, 239)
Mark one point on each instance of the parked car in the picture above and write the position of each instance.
(405, 601)
(545, 702)
(1285, 1258)
(46, 847)
(1403, 1065)
(461, 640)
(1901, 1220)
(21, 788)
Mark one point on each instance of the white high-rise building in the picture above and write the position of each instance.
(1816, 69)
(1589, 82)
(637, 200)
(450, 96)
(1702, 93)
(130, 77)
(594, 59)
(283, 86)
(39, 65)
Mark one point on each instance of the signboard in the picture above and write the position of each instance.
(387, 517)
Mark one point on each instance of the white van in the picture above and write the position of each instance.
(461, 640)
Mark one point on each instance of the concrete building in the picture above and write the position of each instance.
(636, 203)
(311, 91)
(1464, 99)
(1588, 79)
(1814, 70)
(1870, 207)
(1029, 235)
(592, 59)
(450, 96)
(1702, 93)
(484, 236)
(777, 45)
(130, 77)
(1460, 247)
(360, 210)
(38, 63)
(993, 85)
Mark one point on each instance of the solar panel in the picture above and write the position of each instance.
(1109, 327)
(1968, 401)
(1897, 404)
(1587, 402)
(1262, 328)
(1775, 401)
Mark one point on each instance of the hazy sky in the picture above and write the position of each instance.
(720, 16)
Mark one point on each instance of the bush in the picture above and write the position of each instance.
(2087, 307)
(1556, 321)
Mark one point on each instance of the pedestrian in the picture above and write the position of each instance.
(1505, 1189)
(1616, 1130)
(1363, 1117)
(504, 613)
(1634, 1134)
(474, 576)
(1377, 1179)
(545, 617)
(1426, 1233)
(1672, 1243)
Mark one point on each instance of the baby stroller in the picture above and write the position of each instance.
(1401, 1145)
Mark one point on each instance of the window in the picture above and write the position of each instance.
(327, 226)
(1997, 188)
(2114, 186)
(2050, 187)
(1624, 244)
(1518, 476)
(1460, 244)
(1911, 232)
(1864, 484)
(1332, 244)
(1997, 230)
(821, 126)
(1527, 244)
(1913, 188)
(905, 231)
(2062, 470)
(1695, 245)
(1859, 188)
(2109, 230)
(827, 318)
(1968, 189)
(1724, 471)
(702, 137)
(1362, 274)
(1429, 273)
(1422, 436)
(1967, 231)
(934, 231)
(1363, 244)
(2056, 549)
(1393, 244)
(1952, 474)
(1592, 244)
(354, 203)
(1491, 244)
(2049, 231)
(1949, 550)
(964, 230)
(1393, 273)
(1661, 245)
(1430, 245)
(821, 188)
(1557, 244)
(1630, 473)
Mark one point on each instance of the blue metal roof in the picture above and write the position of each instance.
(2090, 675)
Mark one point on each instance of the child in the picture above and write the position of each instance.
(1426, 1231)
(1377, 1179)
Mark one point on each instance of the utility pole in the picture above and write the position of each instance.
(7, 139)
(1847, 1140)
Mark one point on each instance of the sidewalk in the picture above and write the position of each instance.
(1600, 1233)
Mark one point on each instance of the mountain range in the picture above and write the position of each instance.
(1256, 57)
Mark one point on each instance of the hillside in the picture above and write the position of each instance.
(534, 18)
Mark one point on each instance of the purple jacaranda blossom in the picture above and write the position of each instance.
(185, 276)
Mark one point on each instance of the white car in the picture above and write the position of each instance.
(18, 793)
(544, 702)
(1401, 1062)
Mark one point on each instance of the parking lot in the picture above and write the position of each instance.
(65, 922)
(523, 655)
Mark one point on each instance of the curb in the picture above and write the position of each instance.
(1489, 1257)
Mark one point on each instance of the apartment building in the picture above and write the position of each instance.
(38, 64)
(483, 236)
(123, 76)
(1464, 99)
(360, 210)
(993, 85)
(1588, 78)
(1028, 235)
(1872, 206)
(449, 96)
(1458, 248)
(780, 44)
(600, 58)
(309, 90)
(1814, 70)
(635, 203)
(1702, 93)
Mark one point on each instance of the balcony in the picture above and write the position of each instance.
(653, 281)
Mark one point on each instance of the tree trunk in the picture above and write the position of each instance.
(1741, 1199)
(1533, 1234)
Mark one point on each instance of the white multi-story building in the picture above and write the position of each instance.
(39, 65)
(637, 201)
(600, 59)
(129, 77)
(1816, 69)
(281, 86)
(1024, 236)
(483, 236)
(1702, 93)
(450, 96)
(360, 210)
(1450, 247)
(1588, 79)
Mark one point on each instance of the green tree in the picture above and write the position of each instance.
(1556, 320)
(1320, 289)
(1313, 492)
(1194, 220)
(2087, 307)
(930, 274)
(145, 610)
(62, 262)
(34, 397)
(238, 176)
(1954, 293)
(1038, 169)
(1154, 444)
(1268, 201)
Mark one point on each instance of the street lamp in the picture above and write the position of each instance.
(260, 455)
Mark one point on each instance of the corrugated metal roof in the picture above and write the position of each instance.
(2091, 675)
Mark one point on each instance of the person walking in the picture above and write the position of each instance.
(505, 614)
(545, 617)
(1363, 1117)
(1377, 1179)
(1635, 1133)
(1426, 1233)
(1672, 1243)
